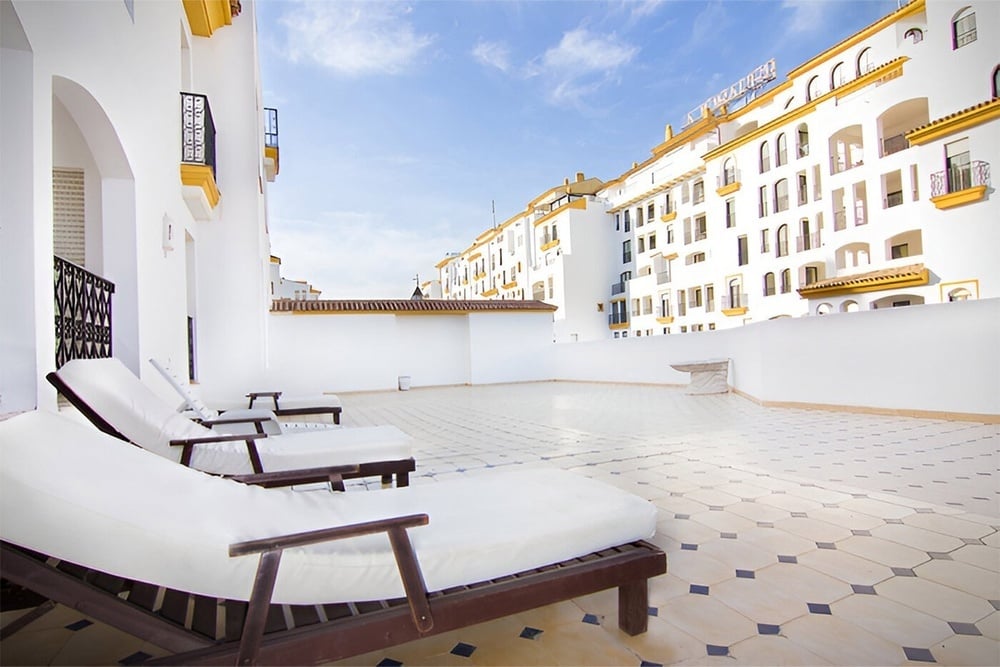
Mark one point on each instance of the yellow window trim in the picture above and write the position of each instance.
(620, 325)
(475, 256)
(728, 189)
(511, 285)
(946, 287)
(734, 312)
(957, 122)
(888, 70)
(207, 16)
(665, 320)
(201, 176)
(551, 244)
(479, 276)
(960, 198)
(580, 204)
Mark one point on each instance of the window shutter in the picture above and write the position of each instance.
(68, 215)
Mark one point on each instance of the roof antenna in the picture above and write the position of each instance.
(493, 204)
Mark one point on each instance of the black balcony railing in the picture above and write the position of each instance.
(197, 131)
(270, 127)
(959, 178)
(618, 318)
(617, 288)
(83, 313)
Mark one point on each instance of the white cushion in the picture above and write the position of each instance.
(118, 396)
(74, 493)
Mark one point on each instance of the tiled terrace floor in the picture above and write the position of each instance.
(793, 537)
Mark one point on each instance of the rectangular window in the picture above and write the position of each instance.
(743, 254)
(958, 166)
(765, 241)
(650, 212)
(652, 241)
(694, 297)
(641, 244)
(762, 202)
(699, 192)
(812, 275)
(638, 217)
(627, 251)
(803, 189)
(900, 251)
(618, 222)
(628, 220)
(965, 30)
(817, 187)
(670, 234)
(685, 193)
(700, 228)
(730, 213)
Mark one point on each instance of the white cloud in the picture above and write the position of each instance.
(580, 65)
(493, 54)
(806, 15)
(353, 38)
(350, 254)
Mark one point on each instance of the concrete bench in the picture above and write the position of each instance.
(707, 377)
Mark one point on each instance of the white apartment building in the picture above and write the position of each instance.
(558, 250)
(135, 167)
(860, 181)
(285, 289)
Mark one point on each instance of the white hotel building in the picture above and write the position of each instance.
(861, 181)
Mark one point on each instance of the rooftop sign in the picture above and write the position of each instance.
(748, 85)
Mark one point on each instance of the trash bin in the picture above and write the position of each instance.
(404, 383)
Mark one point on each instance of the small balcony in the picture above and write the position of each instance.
(198, 165)
(617, 288)
(727, 183)
(839, 220)
(735, 304)
(807, 241)
(894, 144)
(83, 313)
(663, 277)
(960, 185)
(618, 320)
(271, 163)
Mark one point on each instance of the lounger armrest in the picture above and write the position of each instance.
(271, 548)
(332, 474)
(212, 439)
(270, 394)
(235, 420)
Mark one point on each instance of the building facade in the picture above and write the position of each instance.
(860, 181)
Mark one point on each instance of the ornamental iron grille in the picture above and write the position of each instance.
(197, 131)
(270, 127)
(960, 177)
(83, 313)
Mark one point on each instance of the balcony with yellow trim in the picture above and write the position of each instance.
(728, 184)
(549, 245)
(734, 305)
(271, 164)
(197, 169)
(960, 185)
(490, 292)
(669, 217)
(478, 276)
(207, 16)
(910, 275)
(511, 285)
(618, 321)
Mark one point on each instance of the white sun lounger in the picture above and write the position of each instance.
(71, 493)
(118, 403)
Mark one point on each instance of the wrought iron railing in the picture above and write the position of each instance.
(807, 241)
(83, 313)
(735, 300)
(959, 178)
(618, 318)
(618, 288)
(894, 144)
(662, 277)
(197, 131)
(270, 127)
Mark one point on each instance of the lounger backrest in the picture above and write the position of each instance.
(190, 399)
(122, 400)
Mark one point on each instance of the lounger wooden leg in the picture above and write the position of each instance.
(402, 479)
(260, 600)
(387, 480)
(633, 607)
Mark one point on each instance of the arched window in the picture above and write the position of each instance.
(736, 294)
(729, 171)
(996, 81)
(865, 62)
(963, 28)
(768, 284)
(916, 35)
(849, 307)
(802, 140)
(765, 157)
(812, 90)
(782, 150)
(789, 102)
(959, 294)
(786, 281)
(837, 76)
(781, 195)
(823, 309)
(782, 244)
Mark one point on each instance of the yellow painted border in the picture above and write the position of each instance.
(580, 204)
(490, 292)
(619, 326)
(271, 152)
(201, 176)
(959, 198)
(669, 217)
(734, 312)
(207, 16)
(511, 285)
(956, 122)
(728, 189)
(943, 287)
(665, 320)
(548, 246)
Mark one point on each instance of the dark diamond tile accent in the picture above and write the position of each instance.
(937, 555)
(689, 547)
(817, 608)
(765, 524)
(766, 629)
(863, 590)
(830, 505)
(715, 508)
(859, 495)
(728, 536)
(698, 589)
(653, 611)
(918, 654)
(682, 516)
(140, 657)
(647, 663)
(893, 521)
(530, 632)
(799, 515)
(861, 533)
(924, 510)
(826, 545)
(964, 628)
(971, 540)
(463, 649)
(592, 619)
(389, 662)
(787, 559)
(717, 650)
(79, 625)
(996, 604)
(745, 574)
(903, 572)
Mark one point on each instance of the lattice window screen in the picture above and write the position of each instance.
(68, 215)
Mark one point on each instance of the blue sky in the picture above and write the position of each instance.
(401, 122)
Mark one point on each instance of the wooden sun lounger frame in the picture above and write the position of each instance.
(387, 470)
(257, 632)
(334, 412)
